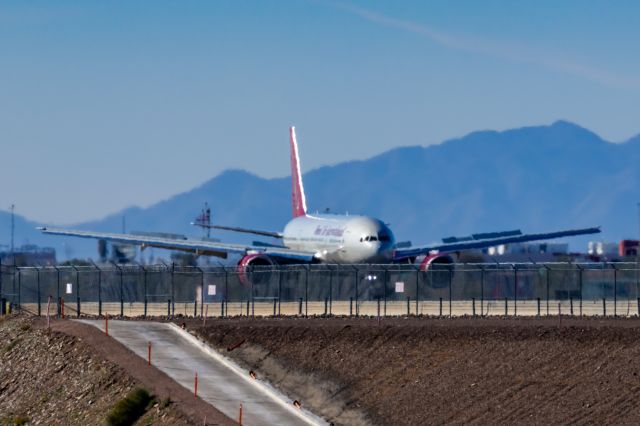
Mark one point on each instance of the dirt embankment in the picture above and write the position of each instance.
(425, 371)
(73, 375)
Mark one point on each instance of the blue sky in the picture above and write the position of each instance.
(109, 104)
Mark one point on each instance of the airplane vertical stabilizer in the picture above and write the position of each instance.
(297, 190)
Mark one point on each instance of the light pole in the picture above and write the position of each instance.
(13, 226)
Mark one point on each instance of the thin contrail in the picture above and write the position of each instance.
(518, 53)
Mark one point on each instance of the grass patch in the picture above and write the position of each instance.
(20, 420)
(165, 402)
(12, 344)
(130, 408)
(17, 420)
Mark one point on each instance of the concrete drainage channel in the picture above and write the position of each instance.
(220, 381)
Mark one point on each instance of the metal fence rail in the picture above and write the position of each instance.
(444, 290)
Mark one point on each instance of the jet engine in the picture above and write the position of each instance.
(437, 272)
(255, 269)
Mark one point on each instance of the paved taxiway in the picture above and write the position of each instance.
(220, 382)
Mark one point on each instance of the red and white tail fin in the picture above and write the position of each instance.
(297, 190)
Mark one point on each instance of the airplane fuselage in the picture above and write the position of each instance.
(341, 238)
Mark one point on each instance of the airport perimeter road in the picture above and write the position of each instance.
(220, 383)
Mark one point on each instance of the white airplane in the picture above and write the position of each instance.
(328, 238)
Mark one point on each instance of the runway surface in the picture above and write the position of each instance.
(220, 382)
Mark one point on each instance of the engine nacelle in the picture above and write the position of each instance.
(255, 269)
(437, 274)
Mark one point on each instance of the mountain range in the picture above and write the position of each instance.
(539, 178)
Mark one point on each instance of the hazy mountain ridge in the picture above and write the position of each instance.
(535, 178)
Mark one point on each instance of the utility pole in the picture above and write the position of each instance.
(13, 226)
(638, 260)
(638, 204)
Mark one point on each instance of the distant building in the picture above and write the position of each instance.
(29, 255)
(629, 248)
(600, 248)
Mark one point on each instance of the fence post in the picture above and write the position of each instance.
(19, 287)
(58, 310)
(121, 290)
(99, 289)
(581, 282)
(481, 291)
(450, 289)
(506, 306)
(538, 303)
(252, 293)
(440, 311)
(173, 295)
(560, 312)
(38, 280)
(571, 306)
(2, 307)
(473, 306)
(201, 291)
(604, 307)
(408, 306)
(386, 286)
(547, 274)
(306, 292)
(350, 306)
(515, 290)
(357, 279)
(615, 291)
(168, 308)
(144, 271)
(330, 289)
(300, 306)
(77, 291)
(225, 299)
(417, 288)
(279, 289)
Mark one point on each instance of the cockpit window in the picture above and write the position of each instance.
(369, 238)
(383, 237)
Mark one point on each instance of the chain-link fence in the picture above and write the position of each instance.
(401, 289)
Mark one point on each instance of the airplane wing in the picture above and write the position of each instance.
(236, 229)
(452, 244)
(206, 247)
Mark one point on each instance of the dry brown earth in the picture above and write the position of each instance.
(455, 371)
(73, 375)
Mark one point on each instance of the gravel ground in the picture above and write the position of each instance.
(435, 371)
(73, 375)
